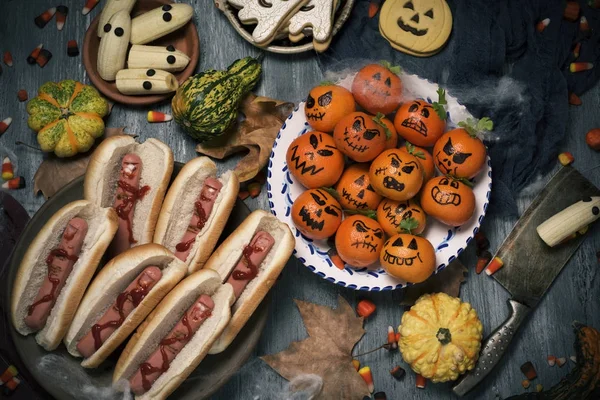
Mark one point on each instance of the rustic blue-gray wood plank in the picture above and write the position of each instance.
(574, 296)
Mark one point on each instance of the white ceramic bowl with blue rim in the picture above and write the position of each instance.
(448, 242)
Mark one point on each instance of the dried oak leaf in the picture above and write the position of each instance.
(327, 352)
(255, 132)
(448, 281)
(54, 172)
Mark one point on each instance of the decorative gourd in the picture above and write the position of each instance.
(67, 117)
(440, 337)
(206, 104)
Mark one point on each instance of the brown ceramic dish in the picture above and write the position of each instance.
(184, 39)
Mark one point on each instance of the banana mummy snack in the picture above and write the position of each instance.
(157, 57)
(113, 46)
(145, 81)
(159, 22)
(111, 8)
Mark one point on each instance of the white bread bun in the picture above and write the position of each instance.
(226, 257)
(160, 322)
(106, 287)
(102, 175)
(178, 207)
(102, 225)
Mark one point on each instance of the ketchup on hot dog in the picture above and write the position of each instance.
(114, 317)
(168, 348)
(202, 209)
(60, 263)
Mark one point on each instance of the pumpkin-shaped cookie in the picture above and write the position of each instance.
(396, 175)
(359, 240)
(355, 190)
(377, 89)
(359, 137)
(316, 214)
(314, 160)
(460, 154)
(440, 337)
(424, 157)
(67, 117)
(408, 257)
(391, 213)
(448, 200)
(417, 122)
(326, 105)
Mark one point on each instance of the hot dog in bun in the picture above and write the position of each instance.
(57, 268)
(120, 297)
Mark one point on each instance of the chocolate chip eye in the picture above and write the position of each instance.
(377, 76)
(150, 72)
(147, 85)
(119, 32)
(171, 59)
(310, 102)
(167, 7)
(170, 48)
(388, 82)
(107, 28)
(454, 184)
(429, 13)
(425, 112)
(413, 245)
(167, 17)
(413, 107)
(409, 5)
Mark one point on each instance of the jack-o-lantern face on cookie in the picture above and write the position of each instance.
(459, 154)
(355, 190)
(391, 213)
(377, 89)
(326, 105)
(421, 26)
(359, 137)
(448, 200)
(359, 240)
(314, 160)
(417, 122)
(408, 257)
(316, 214)
(396, 175)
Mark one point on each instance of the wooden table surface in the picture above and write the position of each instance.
(574, 296)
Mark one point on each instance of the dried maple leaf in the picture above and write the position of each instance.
(255, 133)
(327, 352)
(448, 281)
(54, 173)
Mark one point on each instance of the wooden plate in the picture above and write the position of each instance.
(210, 375)
(184, 39)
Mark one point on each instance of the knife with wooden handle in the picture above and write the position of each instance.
(530, 265)
(569, 221)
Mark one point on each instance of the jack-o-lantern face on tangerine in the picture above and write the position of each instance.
(417, 122)
(326, 105)
(391, 213)
(355, 190)
(316, 214)
(314, 160)
(396, 175)
(459, 154)
(408, 257)
(359, 240)
(448, 200)
(359, 137)
(377, 89)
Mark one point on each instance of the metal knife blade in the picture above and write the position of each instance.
(530, 266)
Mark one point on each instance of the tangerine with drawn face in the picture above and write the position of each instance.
(396, 175)
(460, 154)
(391, 213)
(326, 105)
(358, 241)
(377, 89)
(355, 190)
(425, 158)
(391, 139)
(448, 200)
(314, 160)
(359, 137)
(316, 214)
(417, 122)
(408, 257)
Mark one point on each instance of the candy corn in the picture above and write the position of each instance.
(13, 383)
(254, 189)
(576, 50)
(365, 373)
(561, 361)
(8, 374)
(551, 361)
(574, 99)
(89, 6)
(571, 11)
(525, 383)
(483, 261)
(584, 26)
(42, 19)
(31, 58)
(8, 60)
(356, 364)
(61, 16)
(529, 370)
(43, 58)
(7, 173)
(398, 337)
(72, 48)
(22, 95)
(580, 66)
(398, 372)
(157, 116)
(421, 382)
(566, 158)
(14, 183)
(539, 387)
(374, 6)
(365, 308)
(391, 338)
(494, 266)
(5, 124)
(542, 24)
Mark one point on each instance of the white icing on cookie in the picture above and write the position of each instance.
(319, 15)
